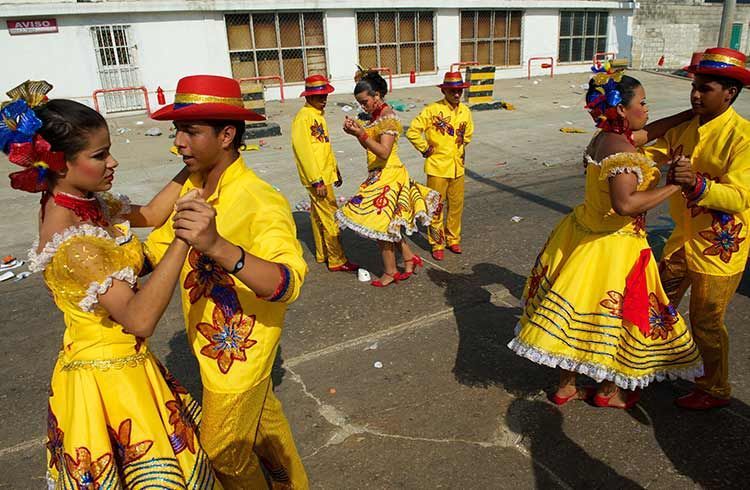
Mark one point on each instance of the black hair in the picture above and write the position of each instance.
(626, 86)
(372, 83)
(239, 135)
(726, 83)
(67, 124)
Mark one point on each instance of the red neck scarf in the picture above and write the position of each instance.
(376, 113)
(88, 209)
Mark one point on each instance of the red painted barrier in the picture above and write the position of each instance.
(266, 77)
(550, 65)
(121, 89)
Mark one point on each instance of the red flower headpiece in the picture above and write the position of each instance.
(38, 158)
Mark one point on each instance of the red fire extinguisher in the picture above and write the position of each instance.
(412, 77)
(160, 96)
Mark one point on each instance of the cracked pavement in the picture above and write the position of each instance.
(451, 406)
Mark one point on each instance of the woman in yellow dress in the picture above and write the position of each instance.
(594, 303)
(116, 417)
(388, 200)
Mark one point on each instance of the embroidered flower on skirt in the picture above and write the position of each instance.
(661, 317)
(184, 428)
(613, 303)
(54, 441)
(84, 471)
(125, 452)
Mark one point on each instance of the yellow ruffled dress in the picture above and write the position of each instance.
(116, 417)
(388, 199)
(574, 298)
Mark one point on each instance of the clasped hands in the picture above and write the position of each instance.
(194, 222)
(681, 171)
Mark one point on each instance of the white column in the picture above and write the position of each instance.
(341, 42)
(448, 39)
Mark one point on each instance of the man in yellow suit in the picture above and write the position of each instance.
(708, 248)
(245, 265)
(440, 133)
(318, 172)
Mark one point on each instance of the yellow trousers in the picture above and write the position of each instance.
(325, 229)
(242, 431)
(452, 193)
(709, 298)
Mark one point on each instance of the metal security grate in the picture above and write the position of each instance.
(582, 34)
(118, 67)
(289, 45)
(491, 37)
(403, 41)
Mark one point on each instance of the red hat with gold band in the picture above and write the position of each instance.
(722, 62)
(316, 85)
(207, 97)
(453, 79)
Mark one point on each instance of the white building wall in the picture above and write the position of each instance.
(169, 46)
(172, 44)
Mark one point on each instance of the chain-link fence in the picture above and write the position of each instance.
(491, 37)
(289, 45)
(403, 41)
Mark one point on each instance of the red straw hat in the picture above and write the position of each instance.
(722, 62)
(453, 79)
(316, 85)
(207, 97)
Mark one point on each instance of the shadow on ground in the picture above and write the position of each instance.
(484, 329)
(541, 426)
(709, 447)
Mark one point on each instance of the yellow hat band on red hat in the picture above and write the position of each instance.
(187, 99)
(721, 58)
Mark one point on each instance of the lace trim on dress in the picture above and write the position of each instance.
(600, 373)
(38, 261)
(95, 289)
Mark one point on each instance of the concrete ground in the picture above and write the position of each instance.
(451, 406)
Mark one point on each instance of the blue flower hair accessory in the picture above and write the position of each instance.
(18, 122)
(602, 102)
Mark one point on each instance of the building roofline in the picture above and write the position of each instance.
(36, 9)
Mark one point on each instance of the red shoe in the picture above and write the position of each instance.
(700, 400)
(418, 262)
(630, 400)
(579, 394)
(347, 267)
(438, 255)
(456, 249)
(380, 284)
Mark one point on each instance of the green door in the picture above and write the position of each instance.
(734, 42)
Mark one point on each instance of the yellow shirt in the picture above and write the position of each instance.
(447, 131)
(713, 228)
(233, 333)
(312, 148)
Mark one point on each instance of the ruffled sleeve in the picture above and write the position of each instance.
(624, 163)
(389, 125)
(84, 266)
(114, 206)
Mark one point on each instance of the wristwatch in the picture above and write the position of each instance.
(240, 263)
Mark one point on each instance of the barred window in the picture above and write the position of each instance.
(402, 41)
(582, 34)
(290, 45)
(491, 37)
